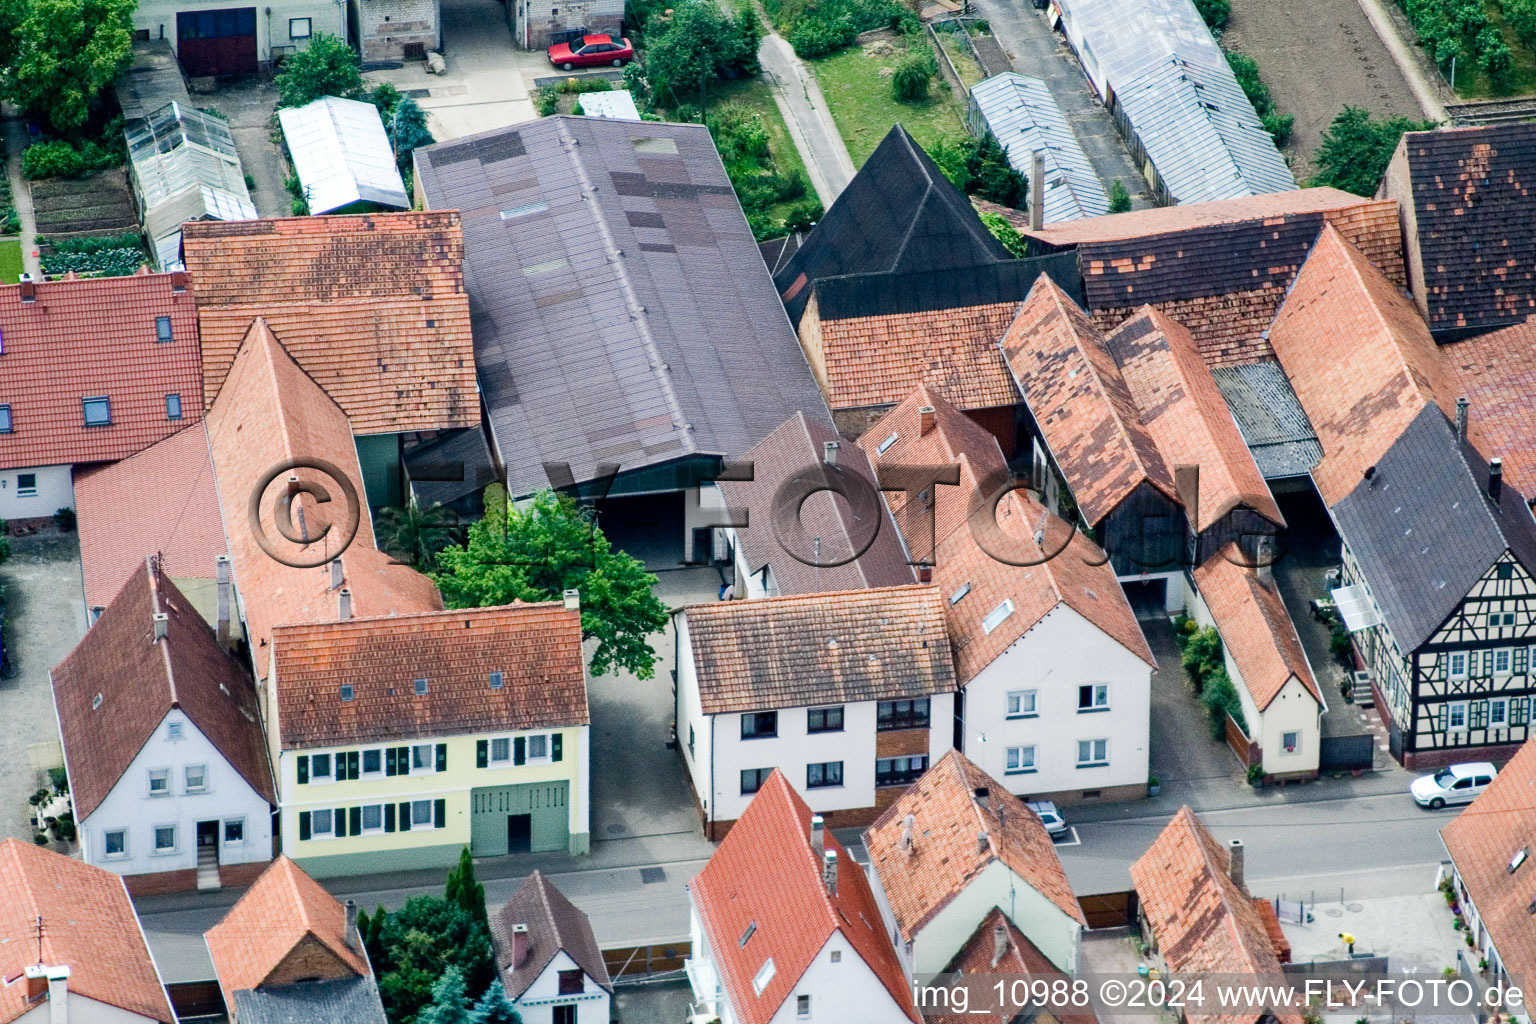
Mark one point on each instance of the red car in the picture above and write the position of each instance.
(590, 51)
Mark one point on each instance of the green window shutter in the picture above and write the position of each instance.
(405, 816)
(482, 753)
(403, 760)
(355, 821)
(556, 746)
(1487, 663)
(1443, 663)
(389, 817)
(442, 757)
(339, 822)
(390, 765)
(303, 825)
(1520, 661)
(303, 769)
(353, 769)
(519, 750)
(439, 813)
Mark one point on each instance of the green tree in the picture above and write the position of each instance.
(1006, 233)
(1119, 198)
(978, 166)
(1246, 70)
(1214, 12)
(450, 1002)
(1494, 58)
(1520, 15)
(418, 943)
(414, 534)
(408, 130)
(1356, 149)
(494, 1008)
(56, 56)
(695, 45)
(326, 67)
(537, 552)
(463, 890)
(914, 71)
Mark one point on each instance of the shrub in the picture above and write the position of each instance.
(913, 73)
(326, 67)
(802, 216)
(250, 183)
(1119, 198)
(58, 778)
(1202, 656)
(979, 167)
(1006, 233)
(546, 101)
(1493, 56)
(60, 158)
(64, 518)
(816, 28)
(818, 37)
(1279, 126)
(299, 208)
(1220, 699)
(1214, 12)
(1356, 149)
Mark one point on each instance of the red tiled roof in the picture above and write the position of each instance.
(1483, 841)
(944, 858)
(1020, 959)
(88, 926)
(1081, 403)
(373, 307)
(877, 360)
(268, 411)
(161, 501)
(139, 680)
(1360, 359)
(1202, 921)
(555, 925)
(1254, 626)
(794, 451)
(285, 913)
(1496, 372)
(765, 874)
(848, 646)
(1188, 419)
(85, 338)
(536, 647)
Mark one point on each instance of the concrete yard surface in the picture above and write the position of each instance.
(1413, 931)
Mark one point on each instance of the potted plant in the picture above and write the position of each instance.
(1482, 965)
(1468, 937)
(1153, 786)
(1256, 776)
(1448, 973)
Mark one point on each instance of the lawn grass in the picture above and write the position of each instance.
(755, 93)
(861, 104)
(960, 56)
(10, 262)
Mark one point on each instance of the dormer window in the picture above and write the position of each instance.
(763, 976)
(998, 615)
(1519, 858)
(98, 411)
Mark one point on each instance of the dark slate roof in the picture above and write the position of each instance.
(918, 291)
(448, 467)
(1424, 529)
(1269, 414)
(621, 311)
(1471, 189)
(344, 1001)
(794, 452)
(899, 213)
(554, 924)
(777, 251)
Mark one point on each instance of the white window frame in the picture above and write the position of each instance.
(763, 976)
(106, 853)
(530, 757)
(1293, 747)
(1018, 754)
(164, 774)
(1466, 665)
(315, 777)
(1016, 701)
(26, 492)
(1094, 760)
(802, 1007)
(368, 830)
(1507, 654)
(1450, 716)
(997, 616)
(424, 824)
(293, 24)
(491, 759)
(1099, 690)
(330, 823)
(431, 749)
(362, 757)
(186, 779)
(156, 849)
(224, 839)
(1502, 703)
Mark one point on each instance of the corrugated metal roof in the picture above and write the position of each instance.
(1022, 116)
(1181, 98)
(184, 167)
(621, 310)
(619, 104)
(1270, 416)
(342, 154)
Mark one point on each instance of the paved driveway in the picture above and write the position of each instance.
(1184, 757)
(44, 618)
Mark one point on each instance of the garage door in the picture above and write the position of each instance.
(531, 818)
(217, 42)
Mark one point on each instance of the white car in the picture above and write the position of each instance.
(1050, 817)
(1453, 784)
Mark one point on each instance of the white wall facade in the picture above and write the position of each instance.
(225, 798)
(1053, 932)
(537, 1004)
(52, 488)
(83, 1010)
(1061, 653)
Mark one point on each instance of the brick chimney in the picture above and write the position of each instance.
(925, 573)
(521, 944)
(221, 574)
(162, 624)
(178, 281)
(818, 835)
(926, 419)
(999, 943)
(572, 600)
(344, 604)
(829, 452)
(28, 288)
(1235, 862)
(1037, 191)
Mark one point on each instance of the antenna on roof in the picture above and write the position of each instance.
(39, 938)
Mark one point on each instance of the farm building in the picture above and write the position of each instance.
(342, 156)
(1175, 99)
(184, 167)
(1019, 112)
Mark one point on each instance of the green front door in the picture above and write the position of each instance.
(532, 817)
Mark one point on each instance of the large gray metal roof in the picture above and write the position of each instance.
(1024, 118)
(621, 310)
(1181, 98)
(1270, 416)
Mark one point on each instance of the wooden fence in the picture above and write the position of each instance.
(1247, 751)
(631, 962)
(1109, 909)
